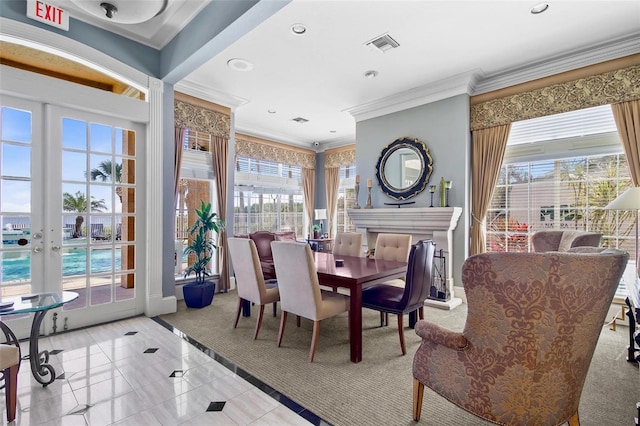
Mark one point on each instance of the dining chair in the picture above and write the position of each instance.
(391, 299)
(300, 292)
(392, 247)
(9, 365)
(533, 322)
(250, 282)
(347, 244)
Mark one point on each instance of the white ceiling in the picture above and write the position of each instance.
(446, 48)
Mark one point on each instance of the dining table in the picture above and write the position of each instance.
(355, 273)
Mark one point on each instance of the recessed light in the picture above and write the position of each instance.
(371, 74)
(539, 8)
(271, 111)
(239, 64)
(298, 29)
(332, 131)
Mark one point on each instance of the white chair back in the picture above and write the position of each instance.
(246, 267)
(348, 244)
(393, 247)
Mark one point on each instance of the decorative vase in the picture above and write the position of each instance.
(443, 200)
(315, 235)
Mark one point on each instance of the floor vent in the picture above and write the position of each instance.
(383, 43)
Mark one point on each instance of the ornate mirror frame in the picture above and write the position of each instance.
(426, 168)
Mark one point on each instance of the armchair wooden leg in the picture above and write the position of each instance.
(418, 393)
(401, 333)
(283, 322)
(258, 322)
(314, 340)
(574, 420)
(421, 312)
(238, 313)
(298, 320)
(11, 391)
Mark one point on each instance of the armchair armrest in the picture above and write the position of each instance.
(441, 336)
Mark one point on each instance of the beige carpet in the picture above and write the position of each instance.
(378, 390)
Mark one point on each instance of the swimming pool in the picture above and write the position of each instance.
(74, 262)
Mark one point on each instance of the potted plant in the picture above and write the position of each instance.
(315, 229)
(201, 244)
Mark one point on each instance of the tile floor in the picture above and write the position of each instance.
(139, 372)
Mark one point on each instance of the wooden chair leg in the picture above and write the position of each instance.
(258, 322)
(275, 309)
(418, 393)
(401, 333)
(238, 313)
(314, 340)
(381, 319)
(421, 312)
(574, 420)
(298, 320)
(11, 391)
(283, 322)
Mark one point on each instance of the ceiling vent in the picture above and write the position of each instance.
(300, 120)
(383, 43)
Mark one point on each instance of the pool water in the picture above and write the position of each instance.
(74, 262)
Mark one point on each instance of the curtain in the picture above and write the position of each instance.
(177, 162)
(627, 117)
(332, 184)
(309, 189)
(488, 148)
(220, 155)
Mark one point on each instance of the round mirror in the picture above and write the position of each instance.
(404, 168)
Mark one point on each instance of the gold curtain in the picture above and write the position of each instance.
(627, 117)
(220, 156)
(177, 162)
(488, 147)
(309, 189)
(332, 184)
(262, 149)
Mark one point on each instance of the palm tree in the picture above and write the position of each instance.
(78, 203)
(105, 172)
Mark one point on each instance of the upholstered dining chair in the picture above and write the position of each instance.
(249, 279)
(9, 364)
(532, 326)
(348, 244)
(563, 240)
(300, 292)
(389, 298)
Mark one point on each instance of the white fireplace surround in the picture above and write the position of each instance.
(435, 223)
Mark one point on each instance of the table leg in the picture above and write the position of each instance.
(39, 360)
(246, 308)
(355, 324)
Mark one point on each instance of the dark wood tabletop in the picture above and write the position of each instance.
(355, 274)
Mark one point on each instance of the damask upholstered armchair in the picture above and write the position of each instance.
(556, 240)
(532, 326)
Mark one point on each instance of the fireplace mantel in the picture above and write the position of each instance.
(435, 223)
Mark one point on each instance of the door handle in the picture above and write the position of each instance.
(37, 249)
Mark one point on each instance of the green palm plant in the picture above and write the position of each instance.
(105, 171)
(201, 245)
(78, 203)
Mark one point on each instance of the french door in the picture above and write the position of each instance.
(68, 211)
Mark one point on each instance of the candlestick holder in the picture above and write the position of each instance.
(447, 186)
(357, 206)
(368, 206)
(432, 190)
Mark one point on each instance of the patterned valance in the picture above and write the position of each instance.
(201, 119)
(250, 147)
(606, 88)
(340, 157)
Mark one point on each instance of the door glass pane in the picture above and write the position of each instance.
(94, 200)
(15, 201)
(74, 135)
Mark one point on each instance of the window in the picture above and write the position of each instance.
(268, 197)
(346, 198)
(196, 185)
(558, 173)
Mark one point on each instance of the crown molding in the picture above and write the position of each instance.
(209, 94)
(613, 49)
(443, 89)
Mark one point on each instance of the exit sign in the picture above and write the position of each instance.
(48, 14)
